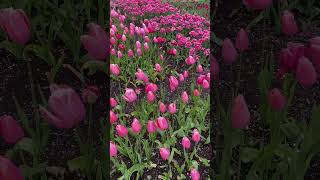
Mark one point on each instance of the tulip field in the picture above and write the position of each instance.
(267, 112)
(159, 90)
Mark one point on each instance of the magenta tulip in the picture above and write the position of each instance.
(151, 127)
(10, 131)
(113, 117)
(306, 73)
(190, 60)
(65, 108)
(121, 130)
(242, 41)
(113, 102)
(288, 24)
(142, 76)
(173, 83)
(172, 108)
(205, 84)
(195, 175)
(196, 92)
(115, 69)
(130, 53)
(162, 123)
(276, 99)
(257, 4)
(158, 68)
(240, 114)
(196, 136)
(229, 53)
(113, 149)
(199, 68)
(151, 87)
(136, 126)
(130, 95)
(184, 97)
(150, 97)
(162, 107)
(186, 143)
(9, 171)
(164, 153)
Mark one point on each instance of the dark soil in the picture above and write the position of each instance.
(263, 42)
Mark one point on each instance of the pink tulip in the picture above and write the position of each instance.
(146, 39)
(9, 171)
(205, 84)
(174, 83)
(199, 68)
(190, 60)
(119, 54)
(142, 76)
(138, 44)
(124, 38)
(162, 107)
(113, 102)
(146, 46)
(113, 13)
(242, 41)
(113, 149)
(164, 153)
(65, 108)
(172, 52)
(113, 51)
(162, 123)
(151, 127)
(138, 91)
(139, 52)
(196, 136)
(112, 33)
(185, 74)
(196, 92)
(306, 73)
(184, 97)
(113, 41)
(113, 117)
(150, 97)
(151, 87)
(121, 130)
(16, 24)
(240, 114)
(161, 57)
(181, 77)
(195, 175)
(136, 126)
(115, 69)
(276, 99)
(96, 43)
(158, 68)
(130, 95)
(10, 131)
(130, 53)
(229, 53)
(257, 4)
(172, 108)
(288, 24)
(186, 143)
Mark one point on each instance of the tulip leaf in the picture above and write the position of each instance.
(78, 163)
(134, 168)
(11, 47)
(25, 144)
(291, 130)
(248, 154)
(94, 66)
(42, 52)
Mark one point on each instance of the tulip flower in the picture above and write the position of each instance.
(136, 126)
(151, 127)
(138, 44)
(276, 99)
(113, 149)
(113, 51)
(172, 52)
(16, 24)
(229, 53)
(306, 73)
(158, 68)
(146, 46)
(115, 69)
(113, 117)
(65, 108)
(199, 68)
(162, 123)
(185, 74)
(242, 41)
(146, 39)
(164, 153)
(119, 54)
(150, 97)
(186, 143)
(9, 171)
(124, 38)
(142, 76)
(196, 92)
(184, 97)
(139, 52)
(151, 87)
(113, 41)
(113, 102)
(240, 114)
(257, 4)
(130, 95)
(205, 84)
(96, 43)
(161, 57)
(90, 94)
(195, 175)
(288, 24)
(121, 130)
(181, 77)
(130, 53)
(174, 83)
(10, 131)
(172, 108)
(162, 107)
(190, 60)
(196, 136)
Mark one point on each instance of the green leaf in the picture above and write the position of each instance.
(291, 130)
(94, 66)
(248, 154)
(11, 47)
(78, 163)
(25, 144)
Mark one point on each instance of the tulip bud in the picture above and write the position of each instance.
(306, 73)
(162, 107)
(288, 24)
(276, 99)
(130, 53)
(142, 76)
(113, 51)
(174, 83)
(190, 60)
(195, 175)
(138, 44)
(113, 149)
(136, 126)
(257, 4)
(240, 114)
(196, 92)
(65, 108)
(113, 117)
(10, 131)
(205, 84)
(115, 69)
(151, 87)
(229, 53)
(196, 136)
(158, 68)
(124, 38)
(164, 153)
(9, 171)
(146, 39)
(242, 41)
(161, 57)
(139, 52)
(172, 108)
(113, 102)
(185, 74)
(199, 68)
(119, 54)
(146, 46)
(121, 130)
(96, 42)
(150, 97)
(151, 127)
(186, 142)
(130, 95)
(162, 123)
(184, 97)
